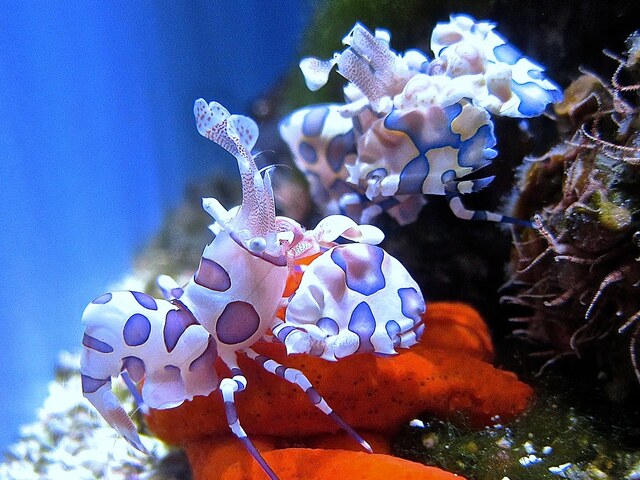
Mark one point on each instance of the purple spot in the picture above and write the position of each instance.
(212, 275)
(147, 301)
(106, 298)
(175, 324)
(307, 152)
(262, 359)
(177, 292)
(412, 304)
(507, 54)
(135, 367)
(328, 326)
(90, 385)
(362, 265)
(339, 147)
(413, 175)
(533, 98)
(137, 330)
(393, 330)
(469, 151)
(237, 323)
(232, 414)
(208, 357)
(284, 333)
(414, 122)
(95, 344)
(363, 324)
(313, 121)
(313, 395)
(280, 369)
(448, 177)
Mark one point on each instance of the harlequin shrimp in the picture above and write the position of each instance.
(413, 125)
(352, 298)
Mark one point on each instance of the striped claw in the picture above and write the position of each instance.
(354, 298)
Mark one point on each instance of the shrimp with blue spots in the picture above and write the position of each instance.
(517, 86)
(421, 125)
(352, 298)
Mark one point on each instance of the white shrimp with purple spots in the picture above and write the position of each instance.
(323, 143)
(517, 86)
(354, 298)
(231, 301)
(419, 126)
(159, 342)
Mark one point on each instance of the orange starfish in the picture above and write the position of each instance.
(447, 374)
(222, 458)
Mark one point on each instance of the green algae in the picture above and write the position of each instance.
(559, 436)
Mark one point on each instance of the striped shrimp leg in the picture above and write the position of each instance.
(298, 378)
(228, 388)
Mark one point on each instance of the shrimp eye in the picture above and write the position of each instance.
(257, 245)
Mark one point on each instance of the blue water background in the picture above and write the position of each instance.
(97, 141)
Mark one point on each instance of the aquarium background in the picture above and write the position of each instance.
(97, 143)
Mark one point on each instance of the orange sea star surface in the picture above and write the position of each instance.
(447, 375)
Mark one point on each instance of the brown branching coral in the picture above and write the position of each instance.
(578, 274)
